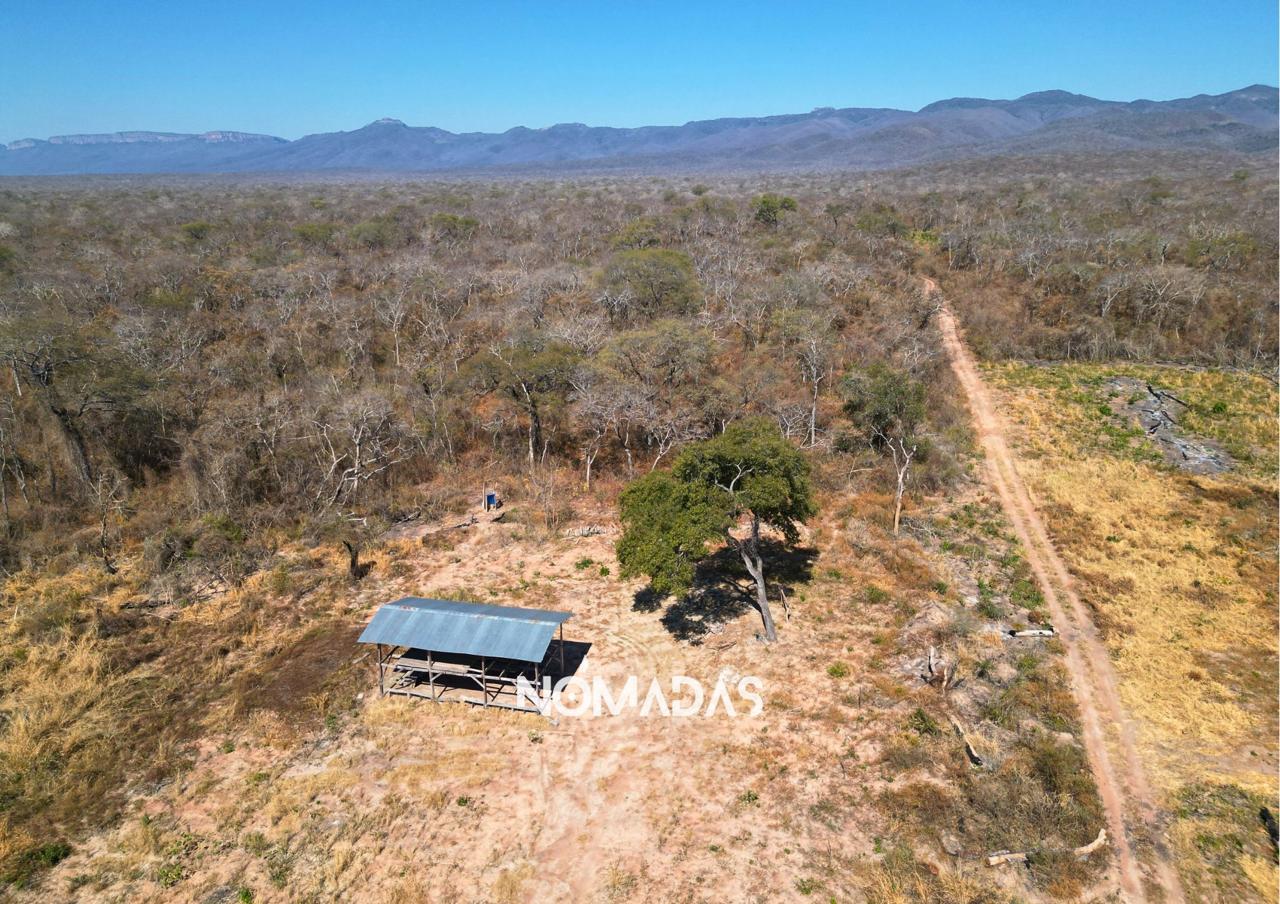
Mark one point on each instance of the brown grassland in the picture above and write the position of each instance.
(1180, 572)
(844, 788)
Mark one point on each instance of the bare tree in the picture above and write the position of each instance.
(901, 465)
(108, 497)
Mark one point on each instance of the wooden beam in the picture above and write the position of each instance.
(561, 649)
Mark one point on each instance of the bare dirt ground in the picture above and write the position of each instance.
(1145, 868)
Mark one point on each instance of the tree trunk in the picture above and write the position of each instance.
(355, 568)
(813, 417)
(750, 552)
(535, 423)
(901, 463)
(535, 433)
(104, 548)
(4, 495)
(73, 442)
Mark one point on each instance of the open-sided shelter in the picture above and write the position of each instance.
(474, 652)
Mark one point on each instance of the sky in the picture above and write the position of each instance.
(290, 69)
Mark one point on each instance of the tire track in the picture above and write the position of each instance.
(1122, 784)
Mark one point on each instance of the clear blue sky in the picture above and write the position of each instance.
(323, 65)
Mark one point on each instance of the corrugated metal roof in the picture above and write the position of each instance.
(476, 629)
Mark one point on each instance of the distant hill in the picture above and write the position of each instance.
(852, 138)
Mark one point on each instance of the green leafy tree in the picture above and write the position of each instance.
(768, 208)
(645, 232)
(450, 227)
(883, 402)
(837, 211)
(195, 232)
(719, 490)
(887, 406)
(375, 235)
(317, 235)
(650, 281)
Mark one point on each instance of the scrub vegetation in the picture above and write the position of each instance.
(235, 416)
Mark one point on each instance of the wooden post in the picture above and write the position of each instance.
(561, 649)
(382, 684)
(431, 678)
(484, 683)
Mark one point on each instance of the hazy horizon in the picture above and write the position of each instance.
(295, 71)
(354, 127)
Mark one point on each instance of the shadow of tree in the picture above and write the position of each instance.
(723, 590)
(647, 600)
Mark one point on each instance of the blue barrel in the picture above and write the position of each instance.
(490, 500)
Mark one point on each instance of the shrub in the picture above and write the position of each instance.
(195, 232)
(377, 234)
(317, 235)
(21, 868)
(767, 209)
(923, 724)
(169, 874)
(452, 227)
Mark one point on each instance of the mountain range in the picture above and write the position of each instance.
(1243, 121)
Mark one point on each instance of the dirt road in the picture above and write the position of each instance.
(1108, 732)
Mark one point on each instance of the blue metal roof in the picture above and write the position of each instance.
(475, 629)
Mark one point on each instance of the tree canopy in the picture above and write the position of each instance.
(882, 401)
(768, 208)
(650, 281)
(751, 472)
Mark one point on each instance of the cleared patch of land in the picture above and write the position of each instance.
(852, 785)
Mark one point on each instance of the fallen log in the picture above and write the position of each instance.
(969, 750)
(145, 604)
(999, 858)
(469, 521)
(1034, 632)
(1085, 850)
(1162, 394)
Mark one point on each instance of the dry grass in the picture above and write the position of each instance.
(1180, 571)
(336, 799)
